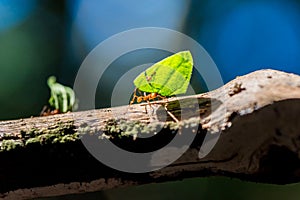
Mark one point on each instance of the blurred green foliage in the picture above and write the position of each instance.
(29, 53)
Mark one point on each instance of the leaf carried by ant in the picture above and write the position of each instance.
(168, 77)
(62, 97)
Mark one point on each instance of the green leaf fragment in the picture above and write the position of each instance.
(62, 97)
(168, 77)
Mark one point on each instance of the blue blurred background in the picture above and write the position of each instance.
(43, 38)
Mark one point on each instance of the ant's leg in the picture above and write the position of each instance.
(161, 97)
(134, 97)
(147, 102)
(171, 115)
(166, 108)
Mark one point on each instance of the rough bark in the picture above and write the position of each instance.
(254, 117)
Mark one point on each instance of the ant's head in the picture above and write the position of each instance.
(139, 99)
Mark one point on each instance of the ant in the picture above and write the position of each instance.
(46, 111)
(148, 97)
(151, 96)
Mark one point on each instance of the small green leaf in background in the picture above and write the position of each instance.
(62, 97)
(168, 77)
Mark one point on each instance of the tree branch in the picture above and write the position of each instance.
(254, 119)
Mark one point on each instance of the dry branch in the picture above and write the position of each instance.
(256, 118)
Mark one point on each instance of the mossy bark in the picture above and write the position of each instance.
(256, 117)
